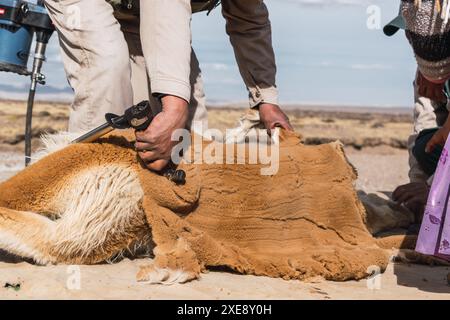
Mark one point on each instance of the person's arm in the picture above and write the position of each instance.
(250, 32)
(166, 44)
(440, 137)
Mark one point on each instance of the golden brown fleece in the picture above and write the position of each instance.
(89, 202)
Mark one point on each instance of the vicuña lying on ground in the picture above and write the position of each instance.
(91, 203)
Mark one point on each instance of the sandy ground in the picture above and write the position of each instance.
(117, 282)
(381, 168)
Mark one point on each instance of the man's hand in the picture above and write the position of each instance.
(272, 116)
(413, 195)
(154, 145)
(431, 90)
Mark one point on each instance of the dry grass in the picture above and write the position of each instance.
(356, 128)
(48, 117)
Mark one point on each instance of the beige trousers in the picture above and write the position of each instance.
(110, 63)
(105, 60)
(427, 114)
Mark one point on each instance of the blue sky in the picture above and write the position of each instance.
(325, 55)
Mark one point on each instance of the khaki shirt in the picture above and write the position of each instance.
(249, 29)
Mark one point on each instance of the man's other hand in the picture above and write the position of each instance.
(431, 90)
(272, 116)
(154, 145)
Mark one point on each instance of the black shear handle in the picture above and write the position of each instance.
(137, 117)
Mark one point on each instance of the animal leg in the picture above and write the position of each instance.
(172, 264)
(25, 234)
(100, 214)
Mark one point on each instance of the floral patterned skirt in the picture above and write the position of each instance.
(434, 236)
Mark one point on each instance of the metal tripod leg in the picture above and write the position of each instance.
(36, 78)
(28, 124)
